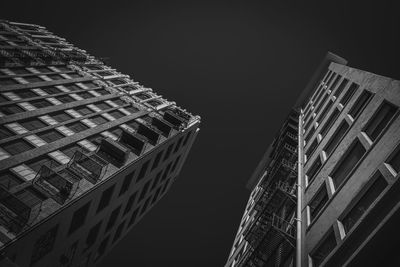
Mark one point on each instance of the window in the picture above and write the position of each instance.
(119, 231)
(127, 182)
(347, 163)
(84, 110)
(4, 133)
(92, 236)
(116, 131)
(44, 244)
(55, 76)
(102, 248)
(65, 99)
(116, 114)
(340, 88)
(380, 120)
(20, 71)
(312, 148)
(175, 163)
(318, 202)
(335, 82)
(322, 251)
(90, 85)
(33, 124)
(61, 116)
(134, 216)
(17, 146)
(187, 138)
(30, 196)
(178, 144)
(395, 160)
(132, 109)
(98, 120)
(77, 126)
(113, 218)
(11, 109)
(156, 195)
(43, 69)
(3, 99)
(70, 150)
(144, 190)
(313, 170)
(143, 171)
(168, 152)
(331, 120)
(41, 103)
(156, 160)
(166, 172)
(36, 164)
(7, 81)
(130, 202)
(156, 180)
(33, 79)
(310, 134)
(102, 92)
(79, 217)
(336, 137)
(105, 198)
(119, 102)
(85, 95)
(350, 92)
(146, 204)
(103, 106)
(51, 90)
(362, 205)
(73, 87)
(26, 93)
(325, 111)
(360, 104)
(9, 180)
(50, 136)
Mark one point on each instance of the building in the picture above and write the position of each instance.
(85, 151)
(326, 192)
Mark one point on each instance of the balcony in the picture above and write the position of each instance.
(14, 213)
(163, 126)
(113, 152)
(133, 142)
(88, 166)
(152, 135)
(174, 119)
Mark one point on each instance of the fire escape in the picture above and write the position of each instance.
(272, 234)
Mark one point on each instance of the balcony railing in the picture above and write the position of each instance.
(88, 166)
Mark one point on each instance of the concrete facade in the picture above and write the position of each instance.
(85, 151)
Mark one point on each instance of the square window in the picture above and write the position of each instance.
(65, 99)
(84, 110)
(74, 75)
(85, 95)
(30, 196)
(33, 79)
(79, 217)
(7, 81)
(347, 163)
(380, 120)
(322, 251)
(116, 114)
(17, 146)
(51, 90)
(98, 120)
(11, 109)
(70, 150)
(26, 93)
(33, 124)
(144, 190)
(102, 92)
(105, 198)
(90, 85)
(43, 69)
(77, 127)
(50, 136)
(40, 103)
(331, 120)
(103, 106)
(318, 202)
(61, 116)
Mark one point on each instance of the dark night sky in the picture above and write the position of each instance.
(238, 65)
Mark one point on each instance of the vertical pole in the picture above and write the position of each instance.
(299, 193)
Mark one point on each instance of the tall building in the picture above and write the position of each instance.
(326, 192)
(85, 151)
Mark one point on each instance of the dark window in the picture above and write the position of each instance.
(175, 163)
(36, 164)
(79, 217)
(118, 232)
(187, 138)
(102, 248)
(8, 81)
(103, 106)
(146, 204)
(322, 251)
(73, 87)
(132, 109)
(178, 144)
(156, 195)
(347, 163)
(336, 137)
(127, 182)
(130, 202)
(65, 99)
(340, 88)
(156, 180)
(84, 110)
(43, 69)
(55, 76)
(156, 160)
(33, 79)
(318, 202)
(30, 196)
(144, 190)
(321, 103)
(309, 134)
(51, 90)
(92, 236)
(169, 149)
(380, 120)
(102, 92)
(335, 82)
(85, 95)
(166, 171)
(50, 136)
(17, 146)
(90, 85)
(20, 71)
(113, 218)
(325, 111)
(9, 180)
(26, 93)
(70, 150)
(312, 148)
(350, 92)
(119, 102)
(395, 161)
(4, 133)
(116, 114)
(77, 126)
(360, 104)
(41, 103)
(44, 244)
(11, 109)
(134, 216)
(33, 124)
(143, 171)
(61, 116)
(105, 198)
(364, 202)
(331, 120)
(99, 120)
(313, 170)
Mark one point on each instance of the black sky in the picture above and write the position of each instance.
(238, 64)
